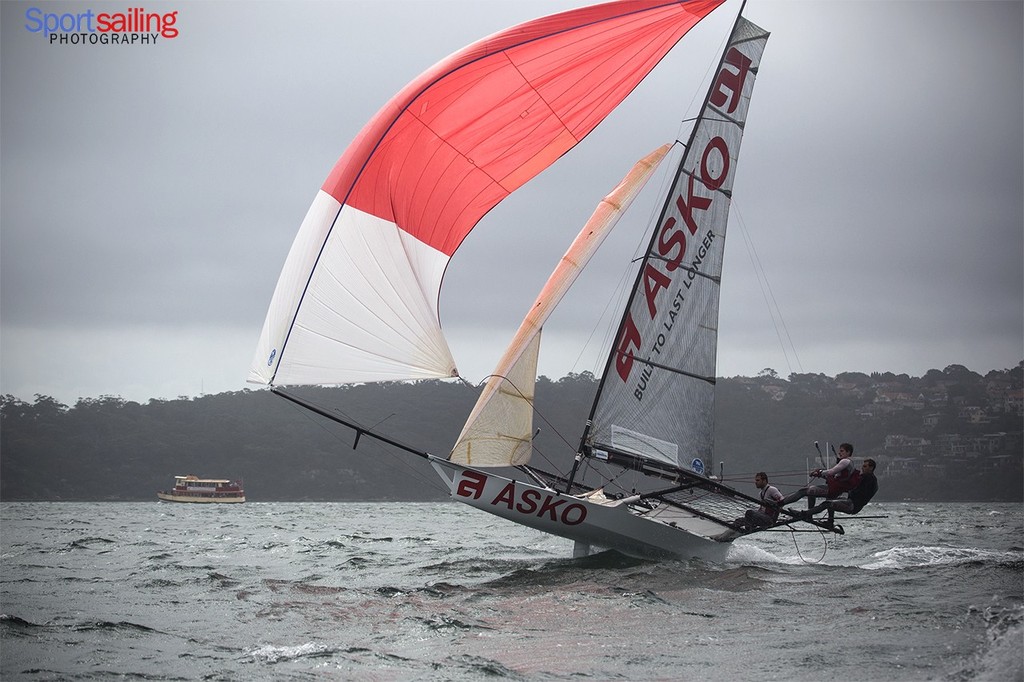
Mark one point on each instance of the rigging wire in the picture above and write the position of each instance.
(538, 413)
(778, 321)
(606, 323)
(333, 433)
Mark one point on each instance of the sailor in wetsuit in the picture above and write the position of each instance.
(856, 498)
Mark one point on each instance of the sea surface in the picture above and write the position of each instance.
(393, 591)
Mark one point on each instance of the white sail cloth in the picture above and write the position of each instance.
(363, 314)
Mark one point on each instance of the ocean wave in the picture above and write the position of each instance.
(478, 666)
(999, 659)
(803, 553)
(475, 567)
(304, 587)
(366, 537)
(443, 623)
(567, 571)
(221, 580)
(84, 543)
(743, 553)
(120, 626)
(14, 624)
(909, 557)
(277, 654)
(441, 589)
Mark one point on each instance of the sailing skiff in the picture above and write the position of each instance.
(357, 299)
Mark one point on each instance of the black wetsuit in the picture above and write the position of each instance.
(863, 493)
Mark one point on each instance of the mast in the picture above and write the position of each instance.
(619, 360)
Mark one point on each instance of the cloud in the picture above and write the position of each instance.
(150, 195)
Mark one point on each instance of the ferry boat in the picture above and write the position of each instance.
(194, 489)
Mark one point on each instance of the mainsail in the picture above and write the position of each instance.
(357, 299)
(656, 397)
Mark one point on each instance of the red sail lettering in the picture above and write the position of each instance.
(719, 145)
(471, 485)
(506, 495)
(727, 80)
(654, 281)
(686, 209)
(630, 341)
(668, 240)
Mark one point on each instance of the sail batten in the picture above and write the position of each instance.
(677, 370)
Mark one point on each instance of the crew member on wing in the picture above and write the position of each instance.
(837, 480)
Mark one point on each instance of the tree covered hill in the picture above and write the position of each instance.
(949, 435)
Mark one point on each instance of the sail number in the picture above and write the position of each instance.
(528, 501)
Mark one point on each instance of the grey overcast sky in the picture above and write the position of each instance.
(150, 193)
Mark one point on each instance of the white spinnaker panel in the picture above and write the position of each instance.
(368, 311)
(500, 428)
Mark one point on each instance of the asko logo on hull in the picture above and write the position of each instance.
(528, 501)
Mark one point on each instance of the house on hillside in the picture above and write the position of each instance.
(1013, 401)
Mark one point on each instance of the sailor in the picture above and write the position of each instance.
(764, 516)
(856, 498)
(768, 513)
(837, 480)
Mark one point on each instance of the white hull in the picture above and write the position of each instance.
(200, 499)
(603, 524)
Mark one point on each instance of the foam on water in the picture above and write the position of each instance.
(907, 557)
(276, 654)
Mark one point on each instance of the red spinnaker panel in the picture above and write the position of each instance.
(478, 125)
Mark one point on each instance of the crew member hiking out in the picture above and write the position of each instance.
(841, 478)
(762, 517)
(855, 500)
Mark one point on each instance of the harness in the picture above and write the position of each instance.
(772, 511)
(843, 482)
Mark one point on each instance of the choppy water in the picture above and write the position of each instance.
(287, 591)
